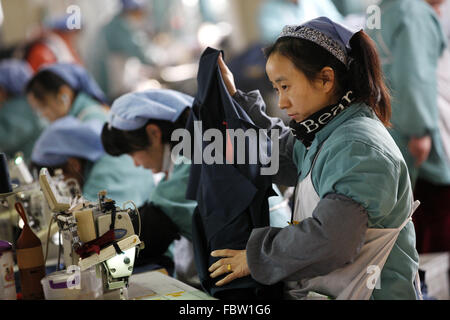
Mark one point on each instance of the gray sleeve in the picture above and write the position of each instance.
(255, 107)
(332, 237)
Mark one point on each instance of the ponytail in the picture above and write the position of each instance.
(364, 76)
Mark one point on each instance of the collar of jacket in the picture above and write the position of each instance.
(81, 102)
(303, 157)
(306, 130)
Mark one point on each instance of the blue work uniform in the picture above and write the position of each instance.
(410, 43)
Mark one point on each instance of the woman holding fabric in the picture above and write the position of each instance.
(350, 235)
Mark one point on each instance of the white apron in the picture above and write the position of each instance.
(354, 281)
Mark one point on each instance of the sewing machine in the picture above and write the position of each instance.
(95, 234)
(27, 191)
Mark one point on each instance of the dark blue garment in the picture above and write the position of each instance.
(232, 198)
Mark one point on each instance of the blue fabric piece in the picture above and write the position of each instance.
(68, 137)
(232, 199)
(14, 75)
(78, 78)
(132, 110)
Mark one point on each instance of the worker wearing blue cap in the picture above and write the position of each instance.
(75, 146)
(122, 39)
(20, 126)
(141, 125)
(62, 89)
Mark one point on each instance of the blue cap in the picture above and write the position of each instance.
(132, 110)
(133, 4)
(14, 75)
(68, 137)
(77, 77)
(332, 36)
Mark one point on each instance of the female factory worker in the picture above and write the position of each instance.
(20, 126)
(75, 147)
(62, 89)
(117, 42)
(410, 44)
(351, 222)
(141, 125)
(65, 89)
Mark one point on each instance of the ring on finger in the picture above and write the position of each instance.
(229, 267)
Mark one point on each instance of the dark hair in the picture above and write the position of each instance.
(44, 83)
(364, 75)
(117, 142)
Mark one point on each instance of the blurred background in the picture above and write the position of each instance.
(133, 45)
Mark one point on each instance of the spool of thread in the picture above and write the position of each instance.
(5, 180)
(85, 225)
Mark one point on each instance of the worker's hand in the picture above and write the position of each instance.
(227, 76)
(234, 263)
(420, 149)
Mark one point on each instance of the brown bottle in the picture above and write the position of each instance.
(30, 260)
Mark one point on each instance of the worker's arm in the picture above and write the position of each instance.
(318, 245)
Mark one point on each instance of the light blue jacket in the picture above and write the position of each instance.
(117, 37)
(85, 108)
(170, 196)
(20, 127)
(361, 161)
(410, 43)
(120, 178)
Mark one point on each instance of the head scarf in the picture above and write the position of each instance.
(78, 79)
(330, 35)
(68, 137)
(14, 75)
(132, 111)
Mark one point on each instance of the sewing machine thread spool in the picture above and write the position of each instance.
(85, 224)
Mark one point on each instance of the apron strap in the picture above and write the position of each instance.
(418, 287)
(415, 205)
(297, 182)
